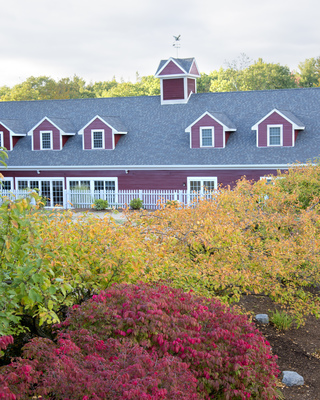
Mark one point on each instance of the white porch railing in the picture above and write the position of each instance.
(121, 199)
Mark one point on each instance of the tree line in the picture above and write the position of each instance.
(239, 75)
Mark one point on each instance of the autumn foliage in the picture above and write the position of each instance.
(257, 238)
(147, 342)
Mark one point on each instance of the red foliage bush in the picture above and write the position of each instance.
(150, 342)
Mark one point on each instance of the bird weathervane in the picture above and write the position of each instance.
(176, 43)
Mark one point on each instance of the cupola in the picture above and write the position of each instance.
(177, 79)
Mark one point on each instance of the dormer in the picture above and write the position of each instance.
(277, 129)
(210, 130)
(177, 79)
(51, 133)
(102, 133)
(11, 130)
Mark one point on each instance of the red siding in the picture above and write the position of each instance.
(172, 69)
(274, 119)
(98, 124)
(46, 126)
(206, 121)
(173, 89)
(116, 139)
(191, 86)
(174, 180)
(194, 69)
(15, 140)
(5, 137)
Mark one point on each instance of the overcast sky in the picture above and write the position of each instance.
(99, 39)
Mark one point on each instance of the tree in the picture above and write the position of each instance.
(309, 75)
(257, 76)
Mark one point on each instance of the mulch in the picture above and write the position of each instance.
(298, 349)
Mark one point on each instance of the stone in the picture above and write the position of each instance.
(262, 318)
(291, 378)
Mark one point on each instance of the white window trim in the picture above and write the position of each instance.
(103, 139)
(51, 141)
(1, 139)
(92, 179)
(281, 135)
(201, 129)
(202, 179)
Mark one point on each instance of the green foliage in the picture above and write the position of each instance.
(309, 75)
(257, 76)
(136, 204)
(100, 204)
(281, 320)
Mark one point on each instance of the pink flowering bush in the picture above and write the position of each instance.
(148, 342)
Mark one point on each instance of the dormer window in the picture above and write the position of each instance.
(98, 139)
(102, 133)
(207, 137)
(274, 135)
(46, 140)
(51, 133)
(210, 130)
(277, 129)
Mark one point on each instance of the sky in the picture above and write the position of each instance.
(101, 39)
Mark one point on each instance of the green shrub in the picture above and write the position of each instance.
(100, 204)
(136, 204)
(281, 320)
(172, 203)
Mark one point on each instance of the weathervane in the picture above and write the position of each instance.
(176, 43)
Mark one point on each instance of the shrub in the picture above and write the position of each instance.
(172, 203)
(100, 204)
(136, 204)
(281, 320)
(135, 325)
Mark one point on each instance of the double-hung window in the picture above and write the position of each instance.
(274, 135)
(207, 137)
(46, 140)
(98, 139)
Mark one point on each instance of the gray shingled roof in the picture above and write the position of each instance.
(14, 125)
(156, 133)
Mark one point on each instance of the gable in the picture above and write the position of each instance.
(219, 125)
(277, 129)
(172, 69)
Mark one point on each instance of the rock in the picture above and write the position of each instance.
(262, 318)
(291, 378)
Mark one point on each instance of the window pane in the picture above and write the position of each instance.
(6, 185)
(206, 137)
(57, 193)
(208, 185)
(46, 140)
(110, 185)
(98, 185)
(274, 136)
(22, 185)
(34, 185)
(97, 140)
(73, 184)
(195, 186)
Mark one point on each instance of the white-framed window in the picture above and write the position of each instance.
(97, 137)
(84, 191)
(93, 184)
(1, 139)
(275, 137)
(51, 189)
(196, 184)
(6, 184)
(46, 140)
(207, 136)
